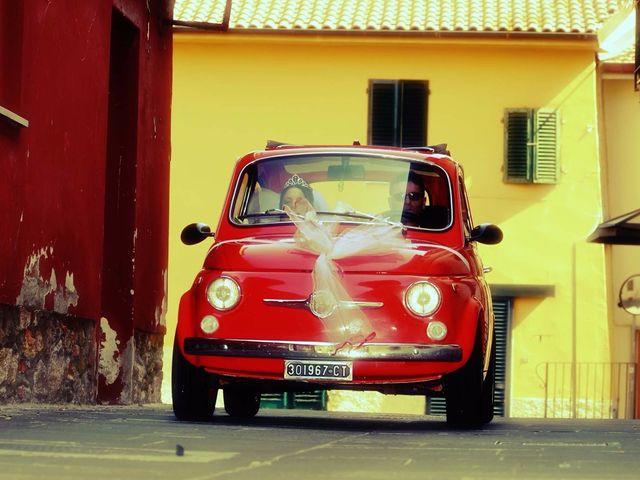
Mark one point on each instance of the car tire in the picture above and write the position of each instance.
(489, 386)
(469, 398)
(193, 390)
(241, 402)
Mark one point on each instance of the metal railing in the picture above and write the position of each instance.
(588, 390)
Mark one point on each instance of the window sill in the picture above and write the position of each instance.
(13, 118)
(522, 290)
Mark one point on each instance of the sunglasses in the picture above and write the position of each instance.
(413, 196)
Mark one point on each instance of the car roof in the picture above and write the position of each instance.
(437, 153)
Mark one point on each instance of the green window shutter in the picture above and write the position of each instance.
(414, 95)
(518, 145)
(316, 400)
(546, 151)
(398, 112)
(531, 146)
(502, 312)
(310, 400)
(383, 113)
(274, 400)
(436, 406)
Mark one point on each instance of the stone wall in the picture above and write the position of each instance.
(147, 368)
(46, 357)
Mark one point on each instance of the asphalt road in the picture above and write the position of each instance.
(56, 442)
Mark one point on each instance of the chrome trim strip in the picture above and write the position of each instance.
(304, 302)
(294, 303)
(356, 304)
(303, 350)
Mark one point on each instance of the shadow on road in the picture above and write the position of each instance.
(340, 421)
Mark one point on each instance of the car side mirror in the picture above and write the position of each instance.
(487, 233)
(195, 233)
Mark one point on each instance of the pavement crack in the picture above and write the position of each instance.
(269, 462)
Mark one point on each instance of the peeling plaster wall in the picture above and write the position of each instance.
(109, 364)
(138, 364)
(35, 289)
(46, 357)
(55, 191)
(161, 310)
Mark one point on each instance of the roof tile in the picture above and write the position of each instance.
(534, 16)
(626, 56)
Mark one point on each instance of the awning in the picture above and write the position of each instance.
(622, 230)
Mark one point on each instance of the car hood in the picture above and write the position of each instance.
(271, 254)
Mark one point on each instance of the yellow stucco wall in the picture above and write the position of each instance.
(233, 92)
(621, 120)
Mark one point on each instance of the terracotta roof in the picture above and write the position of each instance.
(626, 56)
(464, 16)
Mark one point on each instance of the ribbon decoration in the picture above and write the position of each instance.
(345, 323)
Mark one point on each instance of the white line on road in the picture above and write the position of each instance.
(570, 444)
(168, 456)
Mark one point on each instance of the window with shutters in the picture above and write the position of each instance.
(531, 145)
(316, 400)
(502, 311)
(398, 113)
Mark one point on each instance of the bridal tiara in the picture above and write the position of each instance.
(296, 181)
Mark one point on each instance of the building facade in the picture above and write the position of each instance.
(620, 118)
(514, 92)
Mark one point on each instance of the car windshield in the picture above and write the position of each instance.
(344, 188)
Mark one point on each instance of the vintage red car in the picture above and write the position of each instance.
(339, 267)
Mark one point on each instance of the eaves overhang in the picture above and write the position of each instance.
(618, 68)
(620, 230)
(200, 27)
(564, 41)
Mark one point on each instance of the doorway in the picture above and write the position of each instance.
(119, 211)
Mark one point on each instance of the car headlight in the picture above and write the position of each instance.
(422, 298)
(223, 293)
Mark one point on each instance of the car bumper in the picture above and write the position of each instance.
(321, 350)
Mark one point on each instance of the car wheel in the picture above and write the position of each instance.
(241, 402)
(489, 386)
(193, 390)
(470, 399)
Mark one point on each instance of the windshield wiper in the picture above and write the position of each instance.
(358, 214)
(276, 212)
(272, 212)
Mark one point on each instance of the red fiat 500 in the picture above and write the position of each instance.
(349, 267)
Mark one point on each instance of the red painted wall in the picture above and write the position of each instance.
(54, 183)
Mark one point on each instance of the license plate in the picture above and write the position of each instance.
(312, 370)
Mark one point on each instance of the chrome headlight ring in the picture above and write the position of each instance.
(223, 293)
(422, 298)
